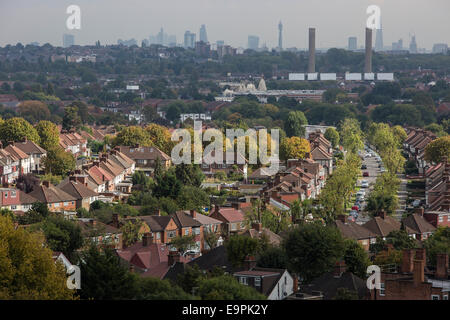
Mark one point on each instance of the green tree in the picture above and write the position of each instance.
(439, 242)
(351, 135)
(104, 277)
(33, 111)
(131, 136)
(48, 133)
(58, 162)
(332, 135)
(356, 258)
(183, 243)
(436, 150)
(130, 232)
(27, 269)
(71, 119)
(313, 249)
(273, 257)
(294, 148)
(155, 289)
(295, 123)
(17, 129)
(226, 287)
(238, 247)
(345, 294)
(62, 235)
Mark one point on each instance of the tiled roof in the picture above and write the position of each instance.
(184, 220)
(418, 223)
(77, 189)
(232, 215)
(29, 147)
(50, 194)
(354, 231)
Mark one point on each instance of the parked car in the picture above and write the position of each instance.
(365, 174)
(382, 169)
(355, 208)
(364, 184)
(416, 203)
(363, 167)
(354, 213)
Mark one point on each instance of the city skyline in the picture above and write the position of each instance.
(96, 25)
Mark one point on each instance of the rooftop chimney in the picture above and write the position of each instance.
(193, 213)
(174, 256)
(147, 239)
(407, 261)
(421, 254)
(93, 222)
(46, 183)
(419, 211)
(419, 275)
(382, 214)
(368, 62)
(312, 51)
(339, 269)
(249, 263)
(441, 266)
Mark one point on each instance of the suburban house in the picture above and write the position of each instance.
(77, 187)
(275, 284)
(383, 224)
(34, 152)
(327, 285)
(257, 232)
(23, 159)
(233, 219)
(437, 187)
(239, 164)
(100, 233)
(352, 230)
(145, 157)
(74, 143)
(421, 227)
(415, 144)
(209, 224)
(15, 200)
(56, 199)
(149, 258)
(9, 167)
(188, 226)
(321, 151)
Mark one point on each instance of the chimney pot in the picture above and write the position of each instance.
(441, 266)
(419, 276)
(407, 261)
(339, 269)
(193, 213)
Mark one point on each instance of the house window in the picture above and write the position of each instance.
(6, 194)
(233, 226)
(66, 204)
(171, 234)
(257, 282)
(158, 235)
(13, 194)
(434, 297)
(186, 232)
(196, 231)
(56, 205)
(441, 219)
(13, 207)
(243, 280)
(382, 290)
(242, 225)
(445, 297)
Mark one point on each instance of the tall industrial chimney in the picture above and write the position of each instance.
(368, 64)
(312, 51)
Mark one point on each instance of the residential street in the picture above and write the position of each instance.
(374, 172)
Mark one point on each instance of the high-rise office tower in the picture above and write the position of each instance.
(413, 45)
(68, 40)
(368, 61)
(379, 45)
(220, 43)
(312, 51)
(253, 42)
(189, 39)
(440, 48)
(280, 36)
(352, 43)
(203, 35)
(160, 37)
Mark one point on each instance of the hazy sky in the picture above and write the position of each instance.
(229, 20)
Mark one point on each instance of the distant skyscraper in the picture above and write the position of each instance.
(172, 41)
(160, 37)
(189, 39)
(413, 45)
(352, 43)
(203, 35)
(379, 45)
(253, 42)
(280, 36)
(220, 43)
(68, 40)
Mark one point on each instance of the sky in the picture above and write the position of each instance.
(44, 21)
